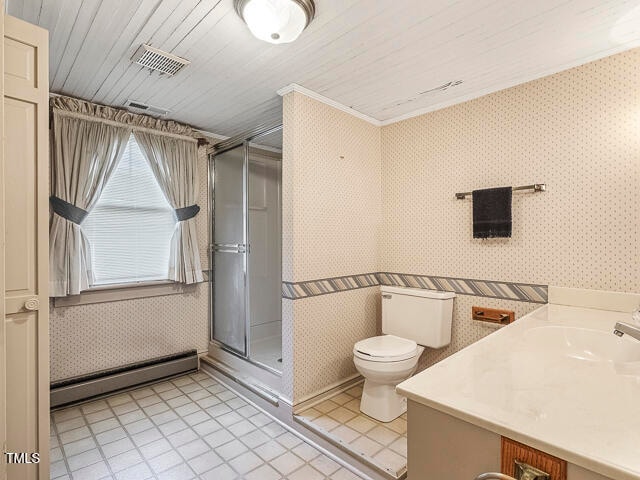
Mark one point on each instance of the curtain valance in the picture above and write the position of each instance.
(94, 111)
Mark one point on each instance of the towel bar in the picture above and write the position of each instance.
(536, 187)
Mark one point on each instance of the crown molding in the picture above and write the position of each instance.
(294, 87)
(512, 83)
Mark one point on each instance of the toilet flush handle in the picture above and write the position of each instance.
(386, 296)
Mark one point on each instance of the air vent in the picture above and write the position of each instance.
(139, 107)
(159, 61)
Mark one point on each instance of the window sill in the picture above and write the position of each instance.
(119, 292)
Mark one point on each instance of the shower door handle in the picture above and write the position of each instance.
(230, 247)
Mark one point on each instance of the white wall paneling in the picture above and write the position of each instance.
(375, 57)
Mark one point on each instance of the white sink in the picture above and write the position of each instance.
(583, 344)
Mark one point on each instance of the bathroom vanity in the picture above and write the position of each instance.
(557, 380)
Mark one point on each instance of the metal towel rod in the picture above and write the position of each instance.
(536, 187)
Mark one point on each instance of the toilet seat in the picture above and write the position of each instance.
(385, 348)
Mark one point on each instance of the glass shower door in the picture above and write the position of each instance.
(230, 250)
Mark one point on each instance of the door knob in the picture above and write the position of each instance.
(32, 304)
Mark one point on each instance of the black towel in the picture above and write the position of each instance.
(492, 213)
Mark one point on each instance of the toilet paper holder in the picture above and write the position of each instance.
(493, 315)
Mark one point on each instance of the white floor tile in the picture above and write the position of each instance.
(231, 450)
(166, 431)
(165, 461)
(265, 472)
(270, 450)
(137, 472)
(306, 473)
(70, 424)
(117, 447)
(153, 449)
(79, 446)
(179, 472)
(84, 459)
(246, 462)
(287, 463)
(325, 465)
(205, 462)
(193, 449)
(222, 472)
(92, 472)
(147, 436)
(124, 460)
(111, 435)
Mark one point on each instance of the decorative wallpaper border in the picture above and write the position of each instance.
(522, 292)
(324, 286)
(519, 292)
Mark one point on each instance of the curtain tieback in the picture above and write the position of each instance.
(67, 210)
(187, 213)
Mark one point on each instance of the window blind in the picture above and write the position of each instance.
(130, 227)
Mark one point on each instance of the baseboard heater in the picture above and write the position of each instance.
(94, 385)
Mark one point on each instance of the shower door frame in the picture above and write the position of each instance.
(244, 140)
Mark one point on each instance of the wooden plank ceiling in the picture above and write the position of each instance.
(377, 56)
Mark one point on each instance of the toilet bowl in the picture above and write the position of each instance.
(384, 362)
(412, 319)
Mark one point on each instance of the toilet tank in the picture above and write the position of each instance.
(423, 316)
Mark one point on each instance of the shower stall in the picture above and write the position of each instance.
(245, 230)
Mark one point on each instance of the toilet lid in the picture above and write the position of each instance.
(385, 348)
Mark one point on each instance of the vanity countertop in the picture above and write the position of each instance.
(572, 390)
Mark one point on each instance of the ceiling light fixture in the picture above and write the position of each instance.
(276, 21)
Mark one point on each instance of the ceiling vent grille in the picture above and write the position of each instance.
(159, 61)
(139, 107)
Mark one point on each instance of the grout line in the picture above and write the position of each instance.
(126, 432)
(201, 385)
(62, 451)
(291, 430)
(312, 423)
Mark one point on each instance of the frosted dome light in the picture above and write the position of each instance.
(276, 21)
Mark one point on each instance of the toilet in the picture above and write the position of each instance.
(412, 319)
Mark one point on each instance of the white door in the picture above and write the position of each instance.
(26, 212)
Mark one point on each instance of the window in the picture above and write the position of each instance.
(130, 227)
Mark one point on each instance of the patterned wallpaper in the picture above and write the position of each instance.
(331, 222)
(88, 338)
(331, 191)
(326, 328)
(359, 199)
(577, 131)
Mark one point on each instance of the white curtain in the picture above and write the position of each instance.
(174, 164)
(84, 155)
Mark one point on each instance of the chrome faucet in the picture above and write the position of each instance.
(621, 328)
(632, 330)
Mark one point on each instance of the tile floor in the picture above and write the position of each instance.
(187, 428)
(339, 418)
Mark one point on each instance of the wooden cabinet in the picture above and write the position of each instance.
(444, 447)
(25, 213)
